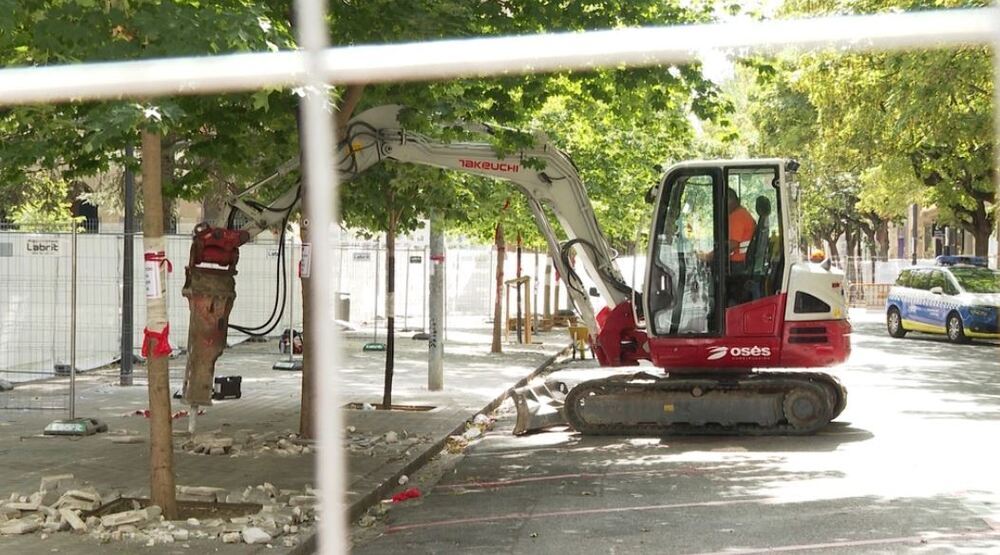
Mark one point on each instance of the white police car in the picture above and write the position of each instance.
(961, 301)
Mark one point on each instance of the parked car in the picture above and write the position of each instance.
(961, 301)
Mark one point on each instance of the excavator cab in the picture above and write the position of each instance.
(717, 244)
(723, 243)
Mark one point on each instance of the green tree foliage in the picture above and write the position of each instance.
(226, 139)
(898, 127)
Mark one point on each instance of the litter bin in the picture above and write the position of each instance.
(342, 308)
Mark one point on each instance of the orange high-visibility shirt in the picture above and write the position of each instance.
(741, 226)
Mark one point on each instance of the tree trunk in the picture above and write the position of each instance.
(982, 237)
(882, 239)
(496, 347)
(156, 343)
(834, 251)
(307, 427)
(390, 311)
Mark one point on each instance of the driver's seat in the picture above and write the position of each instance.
(758, 262)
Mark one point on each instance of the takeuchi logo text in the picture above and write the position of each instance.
(490, 165)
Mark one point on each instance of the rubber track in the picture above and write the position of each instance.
(645, 384)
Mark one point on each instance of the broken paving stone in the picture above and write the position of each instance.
(303, 500)
(367, 521)
(193, 522)
(180, 534)
(200, 493)
(472, 433)
(6, 385)
(28, 506)
(391, 437)
(19, 526)
(85, 500)
(127, 439)
(482, 420)
(124, 517)
(255, 535)
(231, 537)
(73, 519)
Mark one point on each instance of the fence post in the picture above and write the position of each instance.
(128, 271)
(72, 323)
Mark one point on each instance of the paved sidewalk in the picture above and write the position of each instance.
(266, 413)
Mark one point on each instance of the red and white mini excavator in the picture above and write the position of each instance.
(727, 296)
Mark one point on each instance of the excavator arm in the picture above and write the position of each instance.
(375, 135)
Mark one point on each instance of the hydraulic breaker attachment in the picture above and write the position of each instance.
(539, 406)
(210, 287)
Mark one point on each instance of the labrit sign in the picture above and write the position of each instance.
(42, 246)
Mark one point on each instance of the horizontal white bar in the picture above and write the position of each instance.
(657, 45)
(135, 79)
(497, 56)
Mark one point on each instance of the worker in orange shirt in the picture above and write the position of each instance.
(741, 227)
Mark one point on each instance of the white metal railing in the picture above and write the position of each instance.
(315, 66)
(444, 59)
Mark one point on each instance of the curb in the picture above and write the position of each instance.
(358, 508)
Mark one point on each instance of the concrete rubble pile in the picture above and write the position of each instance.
(245, 443)
(372, 444)
(62, 505)
(474, 429)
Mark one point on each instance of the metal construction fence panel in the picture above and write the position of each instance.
(36, 263)
(36, 266)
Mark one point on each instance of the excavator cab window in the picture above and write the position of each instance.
(684, 276)
(717, 244)
(756, 271)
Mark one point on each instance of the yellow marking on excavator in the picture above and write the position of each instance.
(668, 407)
(357, 146)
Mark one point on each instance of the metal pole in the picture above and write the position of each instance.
(423, 309)
(72, 324)
(914, 214)
(128, 270)
(489, 292)
(375, 321)
(534, 296)
(406, 293)
(435, 360)
(291, 297)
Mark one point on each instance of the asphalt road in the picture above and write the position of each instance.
(910, 466)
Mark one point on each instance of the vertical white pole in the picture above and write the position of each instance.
(321, 194)
(72, 324)
(996, 124)
(435, 361)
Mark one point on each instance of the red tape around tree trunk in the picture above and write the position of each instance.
(160, 257)
(162, 342)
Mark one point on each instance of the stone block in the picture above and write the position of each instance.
(73, 519)
(253, 535)
(19, 526)
(125, 517)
